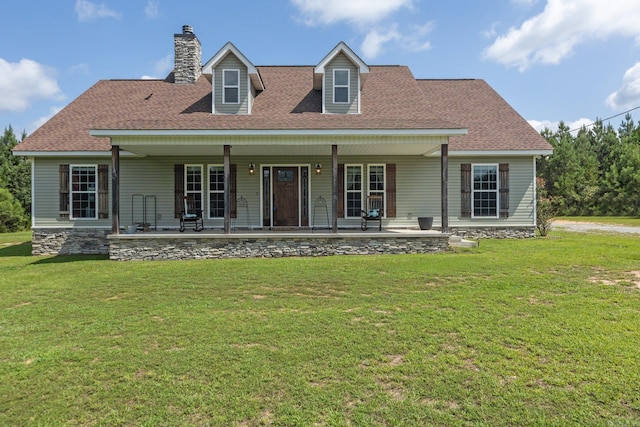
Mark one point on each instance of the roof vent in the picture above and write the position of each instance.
(187, 29)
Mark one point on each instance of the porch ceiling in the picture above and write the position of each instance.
(344, 149)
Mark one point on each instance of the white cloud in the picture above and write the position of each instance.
(552, 35)
(414, 41)
(553, 126)
(524, 3)
(628, 95)
(161, 68)
(151, 9)
(88, 11)
(42, 120)
(360, 12)
(23, 82)
(82, 68)
(373, 42)
(491, 32)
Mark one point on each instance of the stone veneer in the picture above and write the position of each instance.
(494, 232)
(69, 241)
(134, 247)
(187, 66)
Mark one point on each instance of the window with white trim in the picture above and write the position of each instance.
(84, 191)
(377, 182)
(484, 191)
(340, 86)
(230, 86)
(216, 191)
(353, 190)
(193, 184)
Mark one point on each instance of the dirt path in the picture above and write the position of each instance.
(589, 226)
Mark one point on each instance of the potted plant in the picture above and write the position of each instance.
(425, 222)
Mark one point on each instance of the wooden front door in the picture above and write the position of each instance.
(285, 197)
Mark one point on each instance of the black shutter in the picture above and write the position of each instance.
(233, 190)
(103, 191)
(178, 189)
(503, 182)
(340, 190)
(64, 191)
(465, 190)
(390, 185)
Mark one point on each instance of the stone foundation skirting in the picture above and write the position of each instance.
(69, 241)
(494, 232)
(124, 247)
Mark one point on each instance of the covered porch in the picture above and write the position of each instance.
(230, 147)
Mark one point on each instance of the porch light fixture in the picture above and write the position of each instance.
(318, 168)
(252, 168)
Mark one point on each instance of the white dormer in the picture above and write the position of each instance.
(340, 75)
(234, 81)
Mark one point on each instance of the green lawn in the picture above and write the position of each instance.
(632, 221)
(515, 332)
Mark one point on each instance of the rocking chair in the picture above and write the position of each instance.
(374, 212)
(191, 213)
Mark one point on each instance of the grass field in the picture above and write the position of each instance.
(515, 332)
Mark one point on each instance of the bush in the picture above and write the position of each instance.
(12, 216)
(545, 210)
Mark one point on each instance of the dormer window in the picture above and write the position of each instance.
(340, 86)
(340, 75)
(231, 86)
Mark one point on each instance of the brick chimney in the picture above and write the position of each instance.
(188, 56)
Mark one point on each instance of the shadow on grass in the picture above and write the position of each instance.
(70, 258)
(24, 250)
(21, 250)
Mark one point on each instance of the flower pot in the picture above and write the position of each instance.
(425, 222)
(132, 228)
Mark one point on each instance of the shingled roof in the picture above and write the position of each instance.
(392, 99)
(493, 125)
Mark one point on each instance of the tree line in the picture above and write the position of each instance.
(15, 185)
(594, 172)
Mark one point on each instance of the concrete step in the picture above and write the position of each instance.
(459, 242)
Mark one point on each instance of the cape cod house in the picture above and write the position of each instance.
(283, 157)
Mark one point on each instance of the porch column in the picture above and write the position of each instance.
(444, 192)
(227, 189)
(334, 188)
(115, 189)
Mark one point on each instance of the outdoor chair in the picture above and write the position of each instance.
(191, 213)
(374, 212)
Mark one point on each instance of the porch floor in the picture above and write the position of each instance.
(243, 233)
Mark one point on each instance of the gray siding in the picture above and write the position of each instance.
(341, 62)
(417, 189)
(521, 192)
(46, 197)
(231, 62)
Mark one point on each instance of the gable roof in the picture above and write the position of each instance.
(341, 47)
(226, 50)
(493, 125)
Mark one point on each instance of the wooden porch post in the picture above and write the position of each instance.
(115, 189)
(334, 188)
(444, 195)
(227, 189)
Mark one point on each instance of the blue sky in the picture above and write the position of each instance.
(552, 60)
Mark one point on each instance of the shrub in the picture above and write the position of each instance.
(12, 216)
(545, 210)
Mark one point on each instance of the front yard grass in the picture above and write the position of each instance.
(515, 332)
